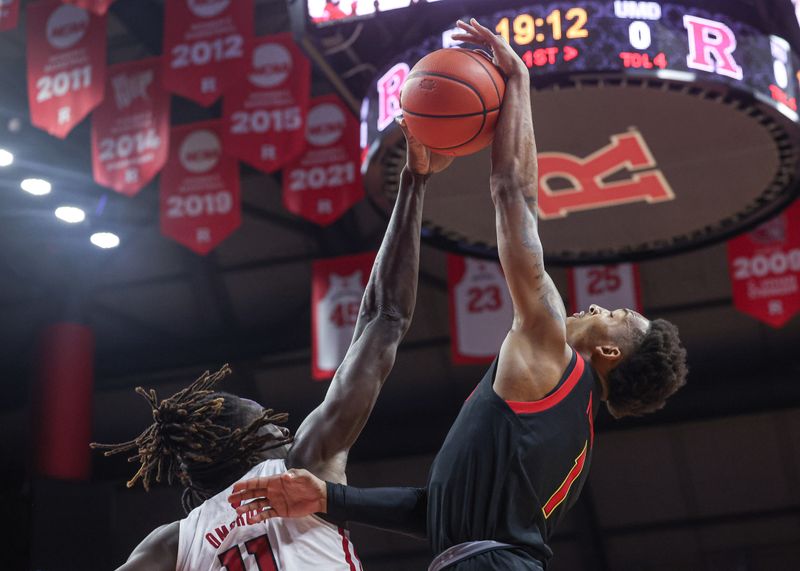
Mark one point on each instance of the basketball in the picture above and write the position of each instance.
(451, 101)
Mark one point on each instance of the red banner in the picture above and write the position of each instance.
(481, 311)
(265, 117)
(9, 14)
(765, 269)
(612, 287)
(200, 204)
(337, 286)
(130, 130)
(99, 7)
(205, 43)
(326, 180)
(66, 65)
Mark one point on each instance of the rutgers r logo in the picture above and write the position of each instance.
(588, 188)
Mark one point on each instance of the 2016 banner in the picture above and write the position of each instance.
(481, 311)
(130, 130)
(325, 181)
(9, 14)
(205, 46)
(99, 7)
(200, 202)
(265, 117)
(337, 286)
(612, 287)
(764, 266)
(66, 65)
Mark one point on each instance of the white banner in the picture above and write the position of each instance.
(611, 287)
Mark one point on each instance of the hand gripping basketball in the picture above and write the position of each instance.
(419, 158)
(295, 493)
(505, 58)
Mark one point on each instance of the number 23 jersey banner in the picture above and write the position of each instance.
(200, 204)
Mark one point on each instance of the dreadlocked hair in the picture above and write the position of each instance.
(200, 438)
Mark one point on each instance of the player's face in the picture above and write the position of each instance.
(599, 326)
(253, 410)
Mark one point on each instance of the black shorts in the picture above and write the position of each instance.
(499, 559)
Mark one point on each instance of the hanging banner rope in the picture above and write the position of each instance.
(99, 7)
(9, 14)
(612, 287)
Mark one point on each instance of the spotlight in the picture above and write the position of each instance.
(36, 186)
(70, 214)
(6, 158)
(105, 240)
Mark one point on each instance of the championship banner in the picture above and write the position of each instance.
(265, 117)
(99, 7)
(205, 43)
(481, 310)
(612, 287)
(326, 180)
(66, 65)
(764, 266)
(337, 286)
(9, 14)
(130, 130)
(200, 204)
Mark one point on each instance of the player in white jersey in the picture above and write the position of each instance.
(208, 440)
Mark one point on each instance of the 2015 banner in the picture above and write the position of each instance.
(200, 202)
(325, 181)
(481, 311)
(205, 46)
(265, 117)
(612, 287)
(764, 266)
(337, 286)
(9, 14)
(130, 130)
(99, 7)
(66, 64)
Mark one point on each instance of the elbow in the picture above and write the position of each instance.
(510, 187)
(393, 321)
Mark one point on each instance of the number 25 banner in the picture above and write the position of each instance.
(66, 65)
(130, 130)
(765, 269)
(200, 204)
(205, 42)
(480, 309)
(337, 286)
(612, 287)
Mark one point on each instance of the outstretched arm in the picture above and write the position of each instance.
(326, 435)
(157, 552)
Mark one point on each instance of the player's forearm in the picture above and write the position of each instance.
(396, 509)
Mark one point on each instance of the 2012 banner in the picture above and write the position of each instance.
(130, 130)
(611, 286)
(481, 311)
(764, 266)
(66, 64)
(325, 181)
(200, 202)
(265, 116)
(205, 44)
(9, 14)
(99, 7)
(337, 286)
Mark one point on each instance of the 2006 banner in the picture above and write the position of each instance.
(200, 202)
(130, 130)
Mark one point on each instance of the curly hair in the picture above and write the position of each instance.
(199, 437)
(654, 371)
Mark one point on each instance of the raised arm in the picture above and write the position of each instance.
(326, 435)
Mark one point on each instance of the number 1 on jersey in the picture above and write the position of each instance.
(259, 548)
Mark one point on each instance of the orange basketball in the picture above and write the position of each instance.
(451, 101)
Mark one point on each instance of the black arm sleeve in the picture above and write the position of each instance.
(404, 510)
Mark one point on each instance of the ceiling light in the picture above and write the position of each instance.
(6, 158)
(70, 214)
(105, 240)
(36, 186)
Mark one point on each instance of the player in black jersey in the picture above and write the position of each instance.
(519, 452)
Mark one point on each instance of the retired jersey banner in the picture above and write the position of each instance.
(97, 6)
(130, 130)
(205, 46)
(337, 286)
(325, 181)
(66, 65)
(765, 269)
(200, 204)
(612, 287)
(481, 311)
(265, 116)
(9, 14)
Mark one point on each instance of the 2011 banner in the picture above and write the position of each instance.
(325, 181)
(265, 117)
(99, 7)
(611, 286)
(130, 130)
(337, 286)
(205, 46)
(481, 311)
(9, 14)
(200, 201)
(764, 266)
(66, 65)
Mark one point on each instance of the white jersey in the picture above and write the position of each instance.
(213, 538)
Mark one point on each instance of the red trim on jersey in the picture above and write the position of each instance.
(589, 412)
(530, 407)
(345, 547)
(561, 493)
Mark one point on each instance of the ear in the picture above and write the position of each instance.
(609, 353)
